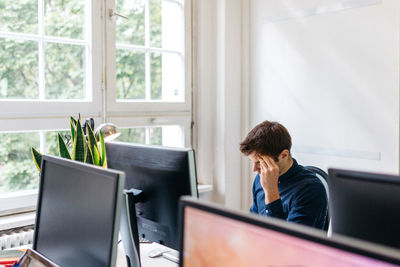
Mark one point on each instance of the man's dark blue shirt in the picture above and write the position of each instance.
(302, 200)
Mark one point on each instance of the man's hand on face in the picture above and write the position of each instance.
(269, 175)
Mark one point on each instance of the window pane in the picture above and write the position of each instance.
(167, 25)
(155, 23)
(131, 30)
(132, 135)
(65, 18)
(52, 142)
(170, 70)
(156, 63)
(156, 136)
(19, 16)
(17, 170)
(173, 136)
(18, 69)
(65, 71)
(167, 77)
(130, 74)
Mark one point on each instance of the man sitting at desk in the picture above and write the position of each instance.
(282, 188)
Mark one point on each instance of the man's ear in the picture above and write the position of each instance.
(284, 154)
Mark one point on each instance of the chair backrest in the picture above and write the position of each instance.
(323, 176)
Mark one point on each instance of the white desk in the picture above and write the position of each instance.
(146, 261)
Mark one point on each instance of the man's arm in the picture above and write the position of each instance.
(269, 176)
(310, 206)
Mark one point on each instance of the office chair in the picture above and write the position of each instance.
(323, 176)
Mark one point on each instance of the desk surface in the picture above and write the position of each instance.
(146, 261)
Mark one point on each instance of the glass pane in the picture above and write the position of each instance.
(19, 16)
(52, 142)
(65, 71)
(132, 135)
(131, 30)
(155, 136)
(155, 23)
(130, 74)
(173, 136)
(169, 69)
(156, 75)
(65, 18)
(17, 170)
(167, 25)
(19, 69)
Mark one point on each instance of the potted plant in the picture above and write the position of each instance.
(85, 148)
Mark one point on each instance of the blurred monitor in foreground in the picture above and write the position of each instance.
(212, 236)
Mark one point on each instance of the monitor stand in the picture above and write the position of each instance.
(128, 228)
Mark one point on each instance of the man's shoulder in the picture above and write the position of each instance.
(311, 185)
(307, 175)
(307, 179)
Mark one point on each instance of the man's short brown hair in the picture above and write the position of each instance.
(267, 138)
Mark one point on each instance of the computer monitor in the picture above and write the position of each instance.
(78, 213)
(365, 205)
(213, 236)
(162, 175)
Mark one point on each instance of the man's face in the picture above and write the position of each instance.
(256, 162)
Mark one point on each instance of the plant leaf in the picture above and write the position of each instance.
(93, 146)
(79, 149)
(73, 130)
(103, 156)
(37, 158)
(62, 148)
(73, 120)
(92, 142)
(89, 157)
(96, 156)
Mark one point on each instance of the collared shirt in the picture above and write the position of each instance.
(302, 199)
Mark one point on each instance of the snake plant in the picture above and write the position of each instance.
(86, 149)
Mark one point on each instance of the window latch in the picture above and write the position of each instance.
(112, 14)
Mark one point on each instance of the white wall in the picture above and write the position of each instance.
(219, 97)
(332, 78)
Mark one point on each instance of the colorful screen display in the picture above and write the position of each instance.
(214, 240)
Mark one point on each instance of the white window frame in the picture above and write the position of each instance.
(41, 108)
(114, 107)
(44, 115)
(157, 121)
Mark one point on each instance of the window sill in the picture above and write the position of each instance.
(17, 220)
(28, 218)
(18, 202)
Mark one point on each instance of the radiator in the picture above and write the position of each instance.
(16, 238)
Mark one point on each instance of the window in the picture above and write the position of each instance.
(17, 170)
(170, 135)
(156, 51)
(64, 57)
(46, 54)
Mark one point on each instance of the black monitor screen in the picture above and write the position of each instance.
(365, 205)
(214, 236)
(164, 175)
(78, 213)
